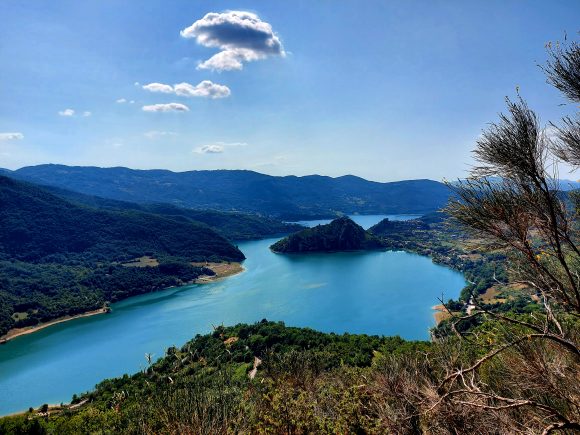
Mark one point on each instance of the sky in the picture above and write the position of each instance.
(386, 90)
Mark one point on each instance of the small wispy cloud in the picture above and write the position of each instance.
(67, 112)
(71, 112)
(210, 149)
(217, 147)
(121, 100)
(11, 136)
(168, 107)
(241, 36)
(154, 134)
(204, 89)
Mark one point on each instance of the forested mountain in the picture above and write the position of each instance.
(341, 234)
(232, 225)
(58, 258)
(35, 224)
(288, 197)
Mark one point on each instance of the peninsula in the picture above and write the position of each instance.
(341, 234)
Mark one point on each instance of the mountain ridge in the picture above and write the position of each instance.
(288, 197)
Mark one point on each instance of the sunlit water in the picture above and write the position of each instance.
(365, 221)
(385, 293)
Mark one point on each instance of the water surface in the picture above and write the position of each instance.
(364, 220)
(386, 293)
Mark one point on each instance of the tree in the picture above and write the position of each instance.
(526, 215)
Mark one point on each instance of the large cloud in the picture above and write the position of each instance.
(204, 89)
(169, 107)
(241, 36)
(11, 136)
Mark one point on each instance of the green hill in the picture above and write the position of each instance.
(232, 225)
(289, 198)
(341, 234)
(35, 224)
(58, 258)
(210, 386)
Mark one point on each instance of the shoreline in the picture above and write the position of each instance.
(440, 313)
(222, 270)
(18, 332)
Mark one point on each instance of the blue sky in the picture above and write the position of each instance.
(386, 90)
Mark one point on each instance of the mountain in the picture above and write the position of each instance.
(290, 197)
(58, 258)
(232, 225)
(341, 234)
(35, 224)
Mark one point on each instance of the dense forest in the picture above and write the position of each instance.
(58, 258)
(342, 234)
(37, 226)
(232, 225)
(290, 198)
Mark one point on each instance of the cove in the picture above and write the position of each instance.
(384, 293)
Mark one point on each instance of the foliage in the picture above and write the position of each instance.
(232, 225)
(288, 198)
(341, 234)
(58, 258)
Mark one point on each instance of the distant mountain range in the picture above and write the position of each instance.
(290, 197)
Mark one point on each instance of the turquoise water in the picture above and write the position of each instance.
(384, 293)
(365, 220)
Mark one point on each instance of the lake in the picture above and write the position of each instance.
(384, 293)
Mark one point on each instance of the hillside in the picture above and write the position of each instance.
(239, 379)
(341, 234)
(290, 198)
(35, 224)
(232, 225)
(58, 258)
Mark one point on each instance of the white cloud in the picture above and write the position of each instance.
(204, 89)
(169, 107)
(121, 100)
(132, 102)
(154, 134)
(210, 149)
(241, 36)
(230, 60)
(158, 87)
(67, 112)
(87, 113)
(11, 136)
(218, 147)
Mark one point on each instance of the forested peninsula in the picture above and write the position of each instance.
(342, 234)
